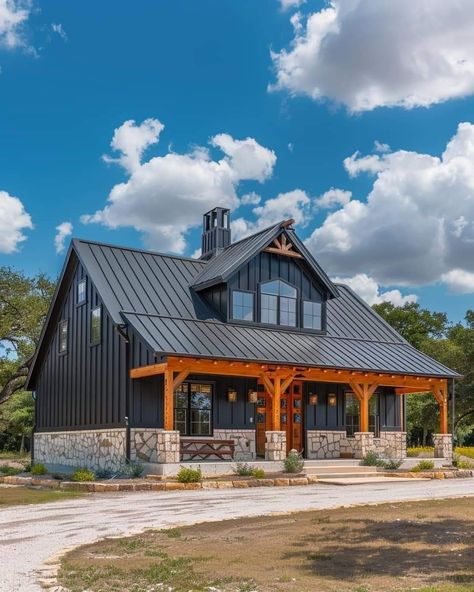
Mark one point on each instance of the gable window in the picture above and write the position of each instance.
(278, 303)
(312, 318)
(193, 409)
(81, 291)
(63, 329)
(242, 305)
(96, 325)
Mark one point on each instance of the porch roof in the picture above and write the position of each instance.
(170, 336)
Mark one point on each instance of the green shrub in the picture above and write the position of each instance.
(392, 464)
(134, 469)
(293, 463)
(104, 474)
(423, 465)
(372, 459)
(462, 463)
(27, 467)
(38, 469)
(189, 475)
(83, 474)
(243, 469)
(8, 471)
(259, 473)
(415, 451)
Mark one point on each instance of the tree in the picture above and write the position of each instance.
(17, 419)
(24, 303)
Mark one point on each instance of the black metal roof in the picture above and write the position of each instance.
(154, 293)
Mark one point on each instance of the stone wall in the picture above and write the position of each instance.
(332, 444)
(443, 446)
(245, 443)
(275, 446)
(391, 445)
(143, 444)
(167, 446)
(324, 443)
(94, 449)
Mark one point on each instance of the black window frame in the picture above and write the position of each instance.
(374, 418)
(61, 324)
(278, 299)
(93, 310)
(232, 305)
(303, 315)
(189, 408)
(79, 283)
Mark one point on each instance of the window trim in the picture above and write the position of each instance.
(321, 303)
(81, 302)
(212, 384)
(232, 305)
(99, 308)
(60, 325)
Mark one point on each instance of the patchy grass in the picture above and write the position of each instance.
(16, 456)
(16, 496)
(423, 451)
(465, 451)
(424, 546)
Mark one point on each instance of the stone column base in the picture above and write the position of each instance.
(167, 447)
(364, 442)
(275, 446)
(443, 446)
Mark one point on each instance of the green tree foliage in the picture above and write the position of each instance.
(452, 345)
(17, 420)
(24, 302)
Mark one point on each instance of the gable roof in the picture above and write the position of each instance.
(219, 269)
(153, 293)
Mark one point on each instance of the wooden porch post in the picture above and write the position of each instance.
(441, 395)
(364, 393)
(168, 400)
(276, 424)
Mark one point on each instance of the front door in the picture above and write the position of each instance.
(291, 417)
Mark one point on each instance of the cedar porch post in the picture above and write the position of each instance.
(168, 400)
(364, 393)
(276, 424)
(441, 395)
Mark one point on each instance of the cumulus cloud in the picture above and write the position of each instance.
(293, 204)
(59, 29)
(367, 54)
(63, 231)
(251, 198)
(381, 147)
(369, 290)
(333, 198)
(13, 16)
(417, 225)
(289, 4)
(13, 220)
(165, 196)
(459, 281)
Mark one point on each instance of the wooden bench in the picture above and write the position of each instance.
(206, 448)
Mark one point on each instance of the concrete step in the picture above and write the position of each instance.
(339, 469)
(332, 462)
(357, 475)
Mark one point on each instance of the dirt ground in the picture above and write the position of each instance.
(14, 496)
(424, 546)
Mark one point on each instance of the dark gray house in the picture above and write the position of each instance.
(245, 353)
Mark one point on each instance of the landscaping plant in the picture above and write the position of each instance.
(372, 459)
(415, 451)
(243, 469)
(134, 469)
(38, 469)
(423, 465)
(8, 471)
(83, 474)
(258, 473)
(293, 463)
(189, 475)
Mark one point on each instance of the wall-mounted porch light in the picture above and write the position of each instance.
(332, 400)
(232, 395)
(313, 399)
(252, 396)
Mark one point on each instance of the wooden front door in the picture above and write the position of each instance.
(291, 417)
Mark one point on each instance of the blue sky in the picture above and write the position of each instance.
(72, 73)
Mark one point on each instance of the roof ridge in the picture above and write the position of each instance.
(253, 234)
(136, 250)
(263, 328)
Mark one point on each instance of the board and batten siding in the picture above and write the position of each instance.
(84, 388)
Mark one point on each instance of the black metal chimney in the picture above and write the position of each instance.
(215, 232)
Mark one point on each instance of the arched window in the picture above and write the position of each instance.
(278, 303)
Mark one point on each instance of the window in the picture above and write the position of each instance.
(63, 337)
(242, 305)
(278, 303)
(193, 409)
(96, 325)
(312, 315)
(81, 291)
(353, 415)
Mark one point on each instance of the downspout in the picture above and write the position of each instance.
(122, 330)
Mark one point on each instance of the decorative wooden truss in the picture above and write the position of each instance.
(277, 378)
(281, 246)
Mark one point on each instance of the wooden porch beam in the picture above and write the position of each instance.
(151, 370)
(180, 378)
(283, 252)
(268, 384)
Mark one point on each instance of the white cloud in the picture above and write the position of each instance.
(459, 281)
(59, 29)
(381, 147)
(64, 230)
(13, 16)
(293, 204)
(368, 289)
(167, 195)
(13, 220)
(417, 225)
(332, 198)
(289, 4)
(367, 54)
(251, 198)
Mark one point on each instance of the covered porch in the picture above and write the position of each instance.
(279, 401)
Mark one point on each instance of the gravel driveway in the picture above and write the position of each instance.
(31, 534)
